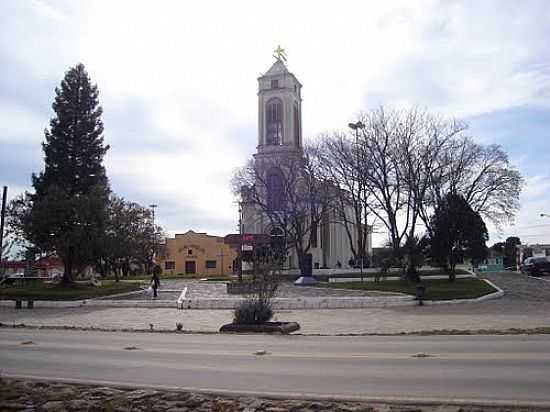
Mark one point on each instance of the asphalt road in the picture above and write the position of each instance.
(469, 368)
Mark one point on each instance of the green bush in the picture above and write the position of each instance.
(252, 312)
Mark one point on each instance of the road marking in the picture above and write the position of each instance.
(534, 277)
(247, 352)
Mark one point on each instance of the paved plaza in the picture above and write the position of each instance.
(197, 289)
(526, 304)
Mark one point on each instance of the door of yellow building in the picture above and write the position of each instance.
(190, 267)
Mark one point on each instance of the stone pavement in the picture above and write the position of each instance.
(525, 305)
(31, 395)
(197, 290)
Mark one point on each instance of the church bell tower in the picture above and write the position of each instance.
(279, 110)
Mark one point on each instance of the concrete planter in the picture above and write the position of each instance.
(267, 327)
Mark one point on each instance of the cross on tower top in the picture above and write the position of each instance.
(280, 53)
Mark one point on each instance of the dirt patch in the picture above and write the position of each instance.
(24, 395)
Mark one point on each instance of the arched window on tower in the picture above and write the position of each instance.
(275, 189)
(296, 125)
(274, 122)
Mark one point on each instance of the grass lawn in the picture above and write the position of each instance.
(76, 292)
(436, 289)
(393, 273)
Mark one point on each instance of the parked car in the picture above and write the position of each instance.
(536, 266)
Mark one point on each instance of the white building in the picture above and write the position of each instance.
(534, 250)
(279, 142)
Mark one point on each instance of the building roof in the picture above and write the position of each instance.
(279, 68)
(42, 263)
(192, 232)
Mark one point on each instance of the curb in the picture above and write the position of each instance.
(534, 277)
(390, 400)
(495, 295)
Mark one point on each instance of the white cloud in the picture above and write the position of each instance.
(18, 123)
(193, 67)
(47, 10)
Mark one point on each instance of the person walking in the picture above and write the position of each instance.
(155, 283)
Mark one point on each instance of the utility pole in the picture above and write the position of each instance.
(2, 219)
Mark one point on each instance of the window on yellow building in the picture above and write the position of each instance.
(210, 264)
(169, 265)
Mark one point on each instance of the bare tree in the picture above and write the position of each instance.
(289, 194)
(405, 162)
(384, 175)
(483, 175)
(343, 164)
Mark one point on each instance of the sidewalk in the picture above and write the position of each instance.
(496, 314)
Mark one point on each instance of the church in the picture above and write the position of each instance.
(280, 144)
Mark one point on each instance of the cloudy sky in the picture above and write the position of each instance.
(178, 86)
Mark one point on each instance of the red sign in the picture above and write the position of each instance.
(247, 239)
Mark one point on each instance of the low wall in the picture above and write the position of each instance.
(306, 303)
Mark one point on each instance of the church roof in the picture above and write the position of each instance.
(277, 68)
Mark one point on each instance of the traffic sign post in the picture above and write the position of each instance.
(246, 242)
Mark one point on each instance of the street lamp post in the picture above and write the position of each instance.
(356, 127)
(240, 251)
(153, 207)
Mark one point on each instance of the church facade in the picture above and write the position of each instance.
(280, 143)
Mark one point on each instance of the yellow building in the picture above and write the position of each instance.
(197, 253)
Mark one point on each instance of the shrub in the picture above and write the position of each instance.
(251, 312)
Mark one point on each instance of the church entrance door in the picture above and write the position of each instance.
(190, 267)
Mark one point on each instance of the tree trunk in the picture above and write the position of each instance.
(452, 274)
(68, 269)
(303, 263)
(412, 273)
(125, 268)
(300, 262)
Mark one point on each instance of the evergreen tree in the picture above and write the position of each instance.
(458, 233)
(74, 146)
(510, 251)
(68, 209)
